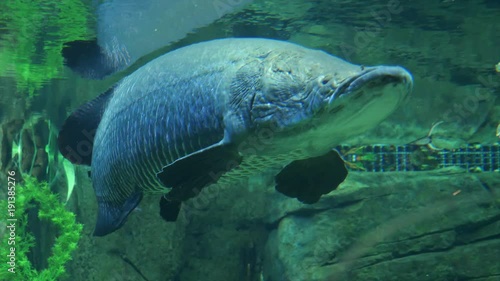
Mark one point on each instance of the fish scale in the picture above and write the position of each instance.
(134, 137)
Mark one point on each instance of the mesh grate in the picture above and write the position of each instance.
(385, 158)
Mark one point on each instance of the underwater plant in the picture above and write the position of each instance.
(17, 244)
(32, 37)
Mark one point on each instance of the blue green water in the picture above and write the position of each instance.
(439, 220)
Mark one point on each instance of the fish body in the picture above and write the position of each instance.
(223, 110)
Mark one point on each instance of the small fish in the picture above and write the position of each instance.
(223, 110)
(427, 140)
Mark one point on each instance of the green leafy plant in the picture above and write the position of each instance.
(51, 210)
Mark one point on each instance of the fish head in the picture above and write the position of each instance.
(319, 100)
(362, 100)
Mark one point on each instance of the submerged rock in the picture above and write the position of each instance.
(411, 226)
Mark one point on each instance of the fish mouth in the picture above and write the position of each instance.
(373, 77)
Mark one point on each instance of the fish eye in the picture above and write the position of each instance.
(325, 80)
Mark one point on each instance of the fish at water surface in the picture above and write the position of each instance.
(190, 118)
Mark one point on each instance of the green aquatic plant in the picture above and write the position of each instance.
(17, 242)
(32, 37)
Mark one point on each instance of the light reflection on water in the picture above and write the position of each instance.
(32, 36)
(32, 33)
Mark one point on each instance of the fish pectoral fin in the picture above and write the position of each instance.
(308, 179)
(188, 175)
(169, 209)
(111, 217)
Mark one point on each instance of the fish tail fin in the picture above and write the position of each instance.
(111, 217)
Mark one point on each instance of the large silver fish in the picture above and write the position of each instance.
(222, 110)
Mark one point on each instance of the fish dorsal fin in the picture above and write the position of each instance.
(76, 137)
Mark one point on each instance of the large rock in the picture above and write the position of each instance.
(399, 226)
